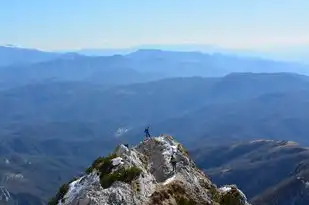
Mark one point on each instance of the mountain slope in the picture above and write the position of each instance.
(269, 172)
(143, 175)
(279, 115)
(73, 67)
(10, 55)
(89, 105)
(26, 162)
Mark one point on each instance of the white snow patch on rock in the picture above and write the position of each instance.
(169, 180)
(75, 188)
(116, 161)
(225, 189)
(174, 148)
(170, 145)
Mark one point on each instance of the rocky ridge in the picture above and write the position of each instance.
(143, 175)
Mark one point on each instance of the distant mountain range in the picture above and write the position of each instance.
(282, 53)
(145, 65)
(297, 53)
(174, 48)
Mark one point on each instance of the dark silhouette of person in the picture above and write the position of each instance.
(147, 132)
(173, 162)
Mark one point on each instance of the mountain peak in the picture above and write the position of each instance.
(143, 174)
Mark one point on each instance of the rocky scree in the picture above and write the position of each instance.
(143, 175)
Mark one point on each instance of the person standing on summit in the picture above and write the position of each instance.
(147, 132)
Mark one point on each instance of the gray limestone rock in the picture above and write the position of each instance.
(156, 182)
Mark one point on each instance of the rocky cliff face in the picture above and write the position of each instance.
(143, 175)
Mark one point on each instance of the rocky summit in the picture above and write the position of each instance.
(143, 175)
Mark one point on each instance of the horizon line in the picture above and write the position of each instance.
(185, 46)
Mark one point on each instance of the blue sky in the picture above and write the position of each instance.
(74, 24)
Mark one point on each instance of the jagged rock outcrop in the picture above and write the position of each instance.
(143, 175)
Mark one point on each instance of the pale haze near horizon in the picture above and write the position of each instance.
(76, 24)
